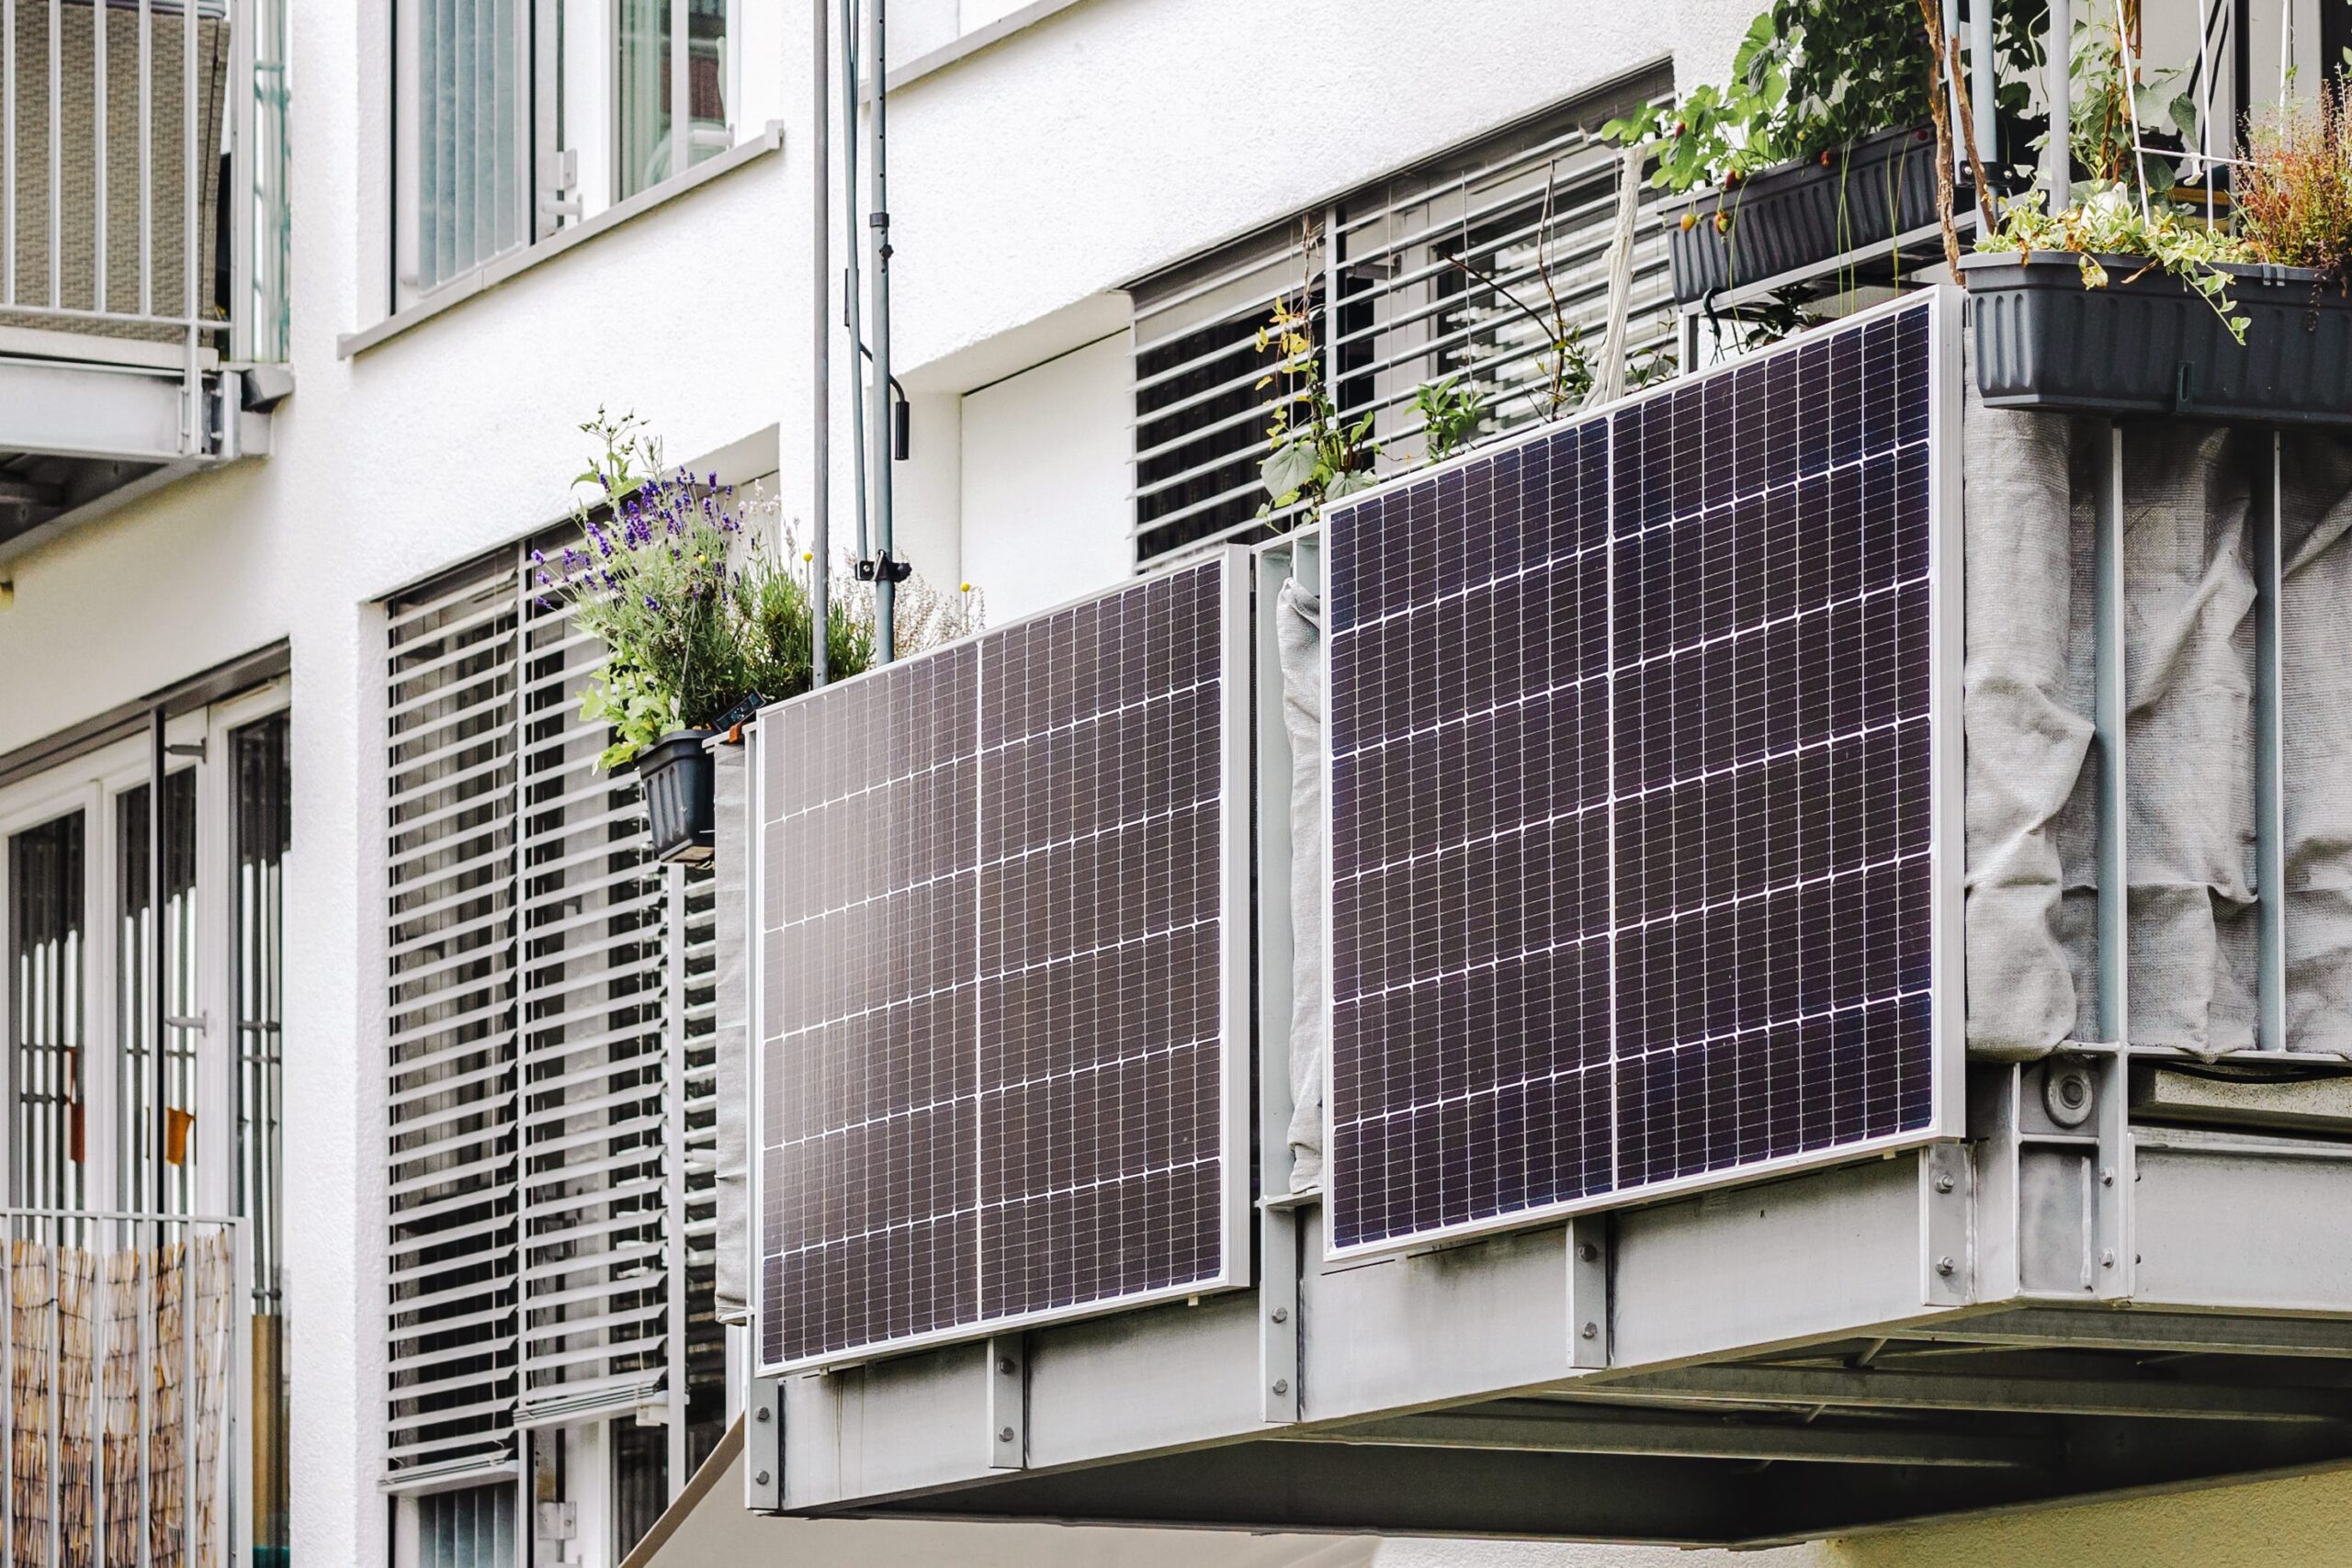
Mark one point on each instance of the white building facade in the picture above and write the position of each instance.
(433, 1028)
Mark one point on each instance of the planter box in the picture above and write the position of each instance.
(677, 776)
(1802, 216)
(2153, 345)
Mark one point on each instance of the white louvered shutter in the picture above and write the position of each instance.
(1407, 281)
(695, 987)
(595, 1068)
(452, 739)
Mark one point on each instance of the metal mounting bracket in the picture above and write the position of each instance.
(763, 1446)
(1008, 1433)
(1589, 1291)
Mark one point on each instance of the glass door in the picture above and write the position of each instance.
(45, 894)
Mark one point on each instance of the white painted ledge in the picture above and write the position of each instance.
(489, 276)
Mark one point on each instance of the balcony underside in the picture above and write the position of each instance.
(80, 436)
(1779, 1363)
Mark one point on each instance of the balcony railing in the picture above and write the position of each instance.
(143, 241)
(126, 1428)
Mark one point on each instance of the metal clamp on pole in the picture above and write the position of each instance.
(882, 568)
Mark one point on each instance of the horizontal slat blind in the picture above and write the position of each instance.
(1429, 269)
(452, 752)
(595, 1184)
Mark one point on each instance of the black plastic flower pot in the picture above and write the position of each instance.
(1799, 216)
(2148, 343)
(677, 776)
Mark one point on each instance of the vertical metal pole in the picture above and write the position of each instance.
(2114, 903)
(98, 158)
(1960, 172)
(1983, 84)
(2058, 55)
(821, 378)
(876, 63)
(2111, 1176)
(240, 191)
(157, 1006)
(853, 286)
(2269, 762)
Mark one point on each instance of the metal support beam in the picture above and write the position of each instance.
(1008, 1434)
(2147, 1332)
(2058, 56)
(2112, 1257)
(1545, 1430)
(763, 1446)
(1947, 1204)
(1810, 1388)
(1589, 1290)
(2270, 800)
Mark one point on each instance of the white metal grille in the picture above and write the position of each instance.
(553, 1082)
(1451, 268)
(452, 728)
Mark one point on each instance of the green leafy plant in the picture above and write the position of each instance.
(2109, 84)
(702, 600)
(2293, 191)
(1451, 412)
(1316, 457)
(2106, 220)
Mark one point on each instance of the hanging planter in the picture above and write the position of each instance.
(677, 776)
(2148, 343)
(1802, 217)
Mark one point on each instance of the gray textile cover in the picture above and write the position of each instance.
(2033, 774)
(730, 797)
(1298, 633)
(2315, 641)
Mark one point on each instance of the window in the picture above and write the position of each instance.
(550, 1076)
(514, 119)
(98, 1112)
(1454, 268)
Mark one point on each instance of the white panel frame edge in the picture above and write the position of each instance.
(1236, 954)
(93, 784)
(1947, 851)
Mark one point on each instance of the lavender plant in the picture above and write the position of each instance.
(702, 599)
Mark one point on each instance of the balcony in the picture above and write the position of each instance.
(142, 249)
(127, 1358)
(2101, 1249)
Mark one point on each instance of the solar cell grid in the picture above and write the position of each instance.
(996, 977)
(1631, 824)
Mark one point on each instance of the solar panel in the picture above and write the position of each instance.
(1644, 849)
(1000, 976)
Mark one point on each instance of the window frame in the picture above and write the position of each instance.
(95, 784)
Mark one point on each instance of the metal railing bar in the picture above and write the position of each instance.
(56, 153)
(146, 158)
(98, 160)
(8, 137)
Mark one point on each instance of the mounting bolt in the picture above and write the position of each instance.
(2106, 1176)
(2106, 1259)
(762, 1477)
(1282, 1385)
(1282, 1314)
(765, 1415)
(1947, 1267)
(1587, 1252)
(1590, 1331)
(1943, 1184)
(1004, 1435)
(1005, 1365)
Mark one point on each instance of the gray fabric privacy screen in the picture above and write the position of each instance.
(2030, 500)
(730, 791)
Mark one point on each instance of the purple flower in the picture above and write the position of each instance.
(652, 603)
(539, 557)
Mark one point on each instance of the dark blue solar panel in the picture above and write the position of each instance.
(1630, 810)
(998, 973)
